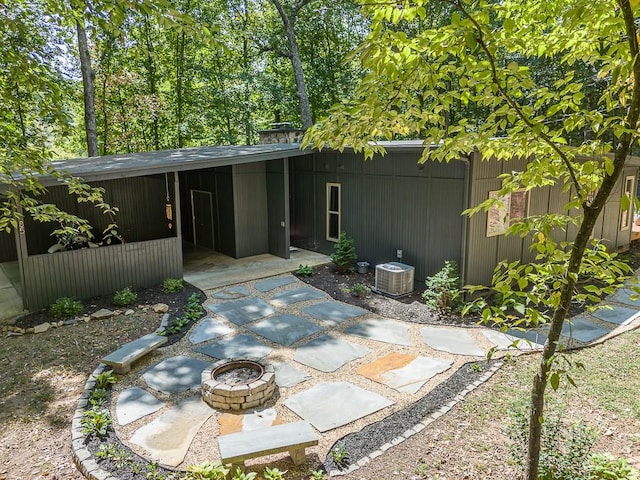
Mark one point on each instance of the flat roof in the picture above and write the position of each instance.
(110, 167)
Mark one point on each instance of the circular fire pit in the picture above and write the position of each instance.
(238, 383)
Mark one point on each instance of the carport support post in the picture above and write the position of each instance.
(176, 209)
(23, 253)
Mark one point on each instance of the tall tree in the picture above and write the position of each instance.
(87, 86)
(488, 48)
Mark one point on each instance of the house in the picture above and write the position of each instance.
(248, 200)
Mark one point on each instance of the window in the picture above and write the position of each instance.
(513, 207)
(626, 214)
(333, 211)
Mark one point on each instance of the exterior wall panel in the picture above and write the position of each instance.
(250, 204)
(99, 271)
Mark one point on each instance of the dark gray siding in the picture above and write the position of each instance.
(99, 271)
(141, 216)
(250, 203)
(278, 207)
(8, 252)
(388, 203)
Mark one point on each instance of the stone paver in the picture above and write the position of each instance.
(327, 353)
(334, 313)
(504, 341)
(272, 283)
(626, 296)
(168, 437)
(289, 376)
(537, 337)
(284, 329)
(175, 374)
(382, 330)
(242, 422)
(243, 311)
(208, 329)
(616, 314)
(583, 329)
(331, 405)
(135, 403)
(230, 293)
(405, 373)
(238, 346)
(452, 340)
(296, 295)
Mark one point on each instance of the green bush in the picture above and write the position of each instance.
(344, 254)
(360, 290)
(65, 307)
(124, 297)
(96, 421)
(602, 466)
(106, 379)
(172, 285)
(207, 471)
(304, 270)
(443, 290)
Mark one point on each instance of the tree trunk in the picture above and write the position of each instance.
(151, 78)
(180, 47)
(87, 86)
(294, 55)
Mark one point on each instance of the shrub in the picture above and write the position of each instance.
(602, 466)
(344, 254)
(65, 307)
(340, 456)
(106, 379)
(207, 471)
(443, 292)
(96, 421)
(124, 297)
(172, 285)
(304, 270)
(360, 290)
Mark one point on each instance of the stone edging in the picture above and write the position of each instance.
(419, 426)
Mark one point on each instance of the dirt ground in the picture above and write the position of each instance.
(43, 375)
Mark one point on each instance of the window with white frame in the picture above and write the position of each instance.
(334, 201)
(626, 214)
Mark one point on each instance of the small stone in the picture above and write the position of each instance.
(29, 330)
(14, 334)
(60, 323)
(73, 321)
(129, 312)
(161, 308)
(102, 314)
(43, 327)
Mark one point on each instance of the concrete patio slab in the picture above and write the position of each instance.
(296, 295)
(327, 353)
(238, 346)
(452, 340)
(583, 329)
(334, 313)
(208, 329)
(405, 373)
(175, 374)
(230, 293)
(242, 311)
(289, 376)
(242, 422)
(284, 329)
(504, 341)
(331, 405)
(272, 283)
(382, 330)
(135, 403)
(616, 314)
(169, 436)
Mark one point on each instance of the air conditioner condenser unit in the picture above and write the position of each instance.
(394, 278)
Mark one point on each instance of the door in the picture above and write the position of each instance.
(202, 215)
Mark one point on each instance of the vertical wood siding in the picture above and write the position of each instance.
(8, 251)
(99, 271)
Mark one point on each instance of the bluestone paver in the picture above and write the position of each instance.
(504, 341)
(284, 329)
(297, 295)
(583, 329)
(208, 329)
(135, 403)
(230, 293)
(626, 296)
(175, 374)
(334, 313)
(331, 405)
(382, 330)
(452, 340)
(238, 346)
(289, 376)
(538, 337)
(168, 437)
(243, 311)
(616, 314)
(327, 353)
(272, 283)
(405, 373)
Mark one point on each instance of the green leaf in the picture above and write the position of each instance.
(554, 380)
